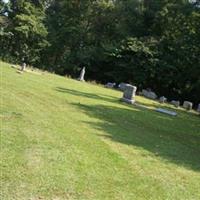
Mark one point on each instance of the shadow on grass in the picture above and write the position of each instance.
(174, 139)
(169, 138)
(87, 95)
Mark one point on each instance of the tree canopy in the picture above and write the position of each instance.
(154, 44)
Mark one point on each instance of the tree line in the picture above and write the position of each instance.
(148, 43)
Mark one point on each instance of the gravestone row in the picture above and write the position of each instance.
(129, 97)
(129, 92)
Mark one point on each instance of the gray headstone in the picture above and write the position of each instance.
(23, 67)
(149, 94)
(122, 86)
(110, 85)
(145, 93)
(162, 99)
(175, 103)
(81, 77)
(129, 94)
(187, 105)
(198, 108)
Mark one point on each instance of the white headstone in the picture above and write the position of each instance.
(81, 77)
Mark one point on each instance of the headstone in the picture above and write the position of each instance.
(122, 86)
(81, 77)
(149, 94)
(145, 93)
(129, 94)
(162, 99)
(187, 105)
(110, 85)
(168, 112)
(23, 67)
(175, 103)
(198, 108)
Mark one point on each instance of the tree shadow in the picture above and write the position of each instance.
(87, 95)
(164, 136)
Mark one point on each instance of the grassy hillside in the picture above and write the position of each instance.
(64, 139)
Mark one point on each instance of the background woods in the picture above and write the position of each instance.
(150, 43)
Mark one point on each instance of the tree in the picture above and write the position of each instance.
(179, 62)
(27, 30)
(148, 43)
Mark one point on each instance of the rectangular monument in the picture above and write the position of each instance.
(129, 94)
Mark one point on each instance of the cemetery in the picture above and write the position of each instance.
(99, 100)
(73, 135)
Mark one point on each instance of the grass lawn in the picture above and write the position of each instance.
(64, 139)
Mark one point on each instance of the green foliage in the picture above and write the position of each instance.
(62, 36)
(179, 50)
(28, 32)
(134, 62)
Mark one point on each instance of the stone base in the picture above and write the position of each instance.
(168, 112)
(81, 80)
(128, 100)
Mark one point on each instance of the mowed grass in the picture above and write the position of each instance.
(64, 139)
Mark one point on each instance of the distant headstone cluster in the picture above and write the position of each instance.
(152, 95)
(129, 92)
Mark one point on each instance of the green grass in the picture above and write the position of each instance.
(64, 139)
